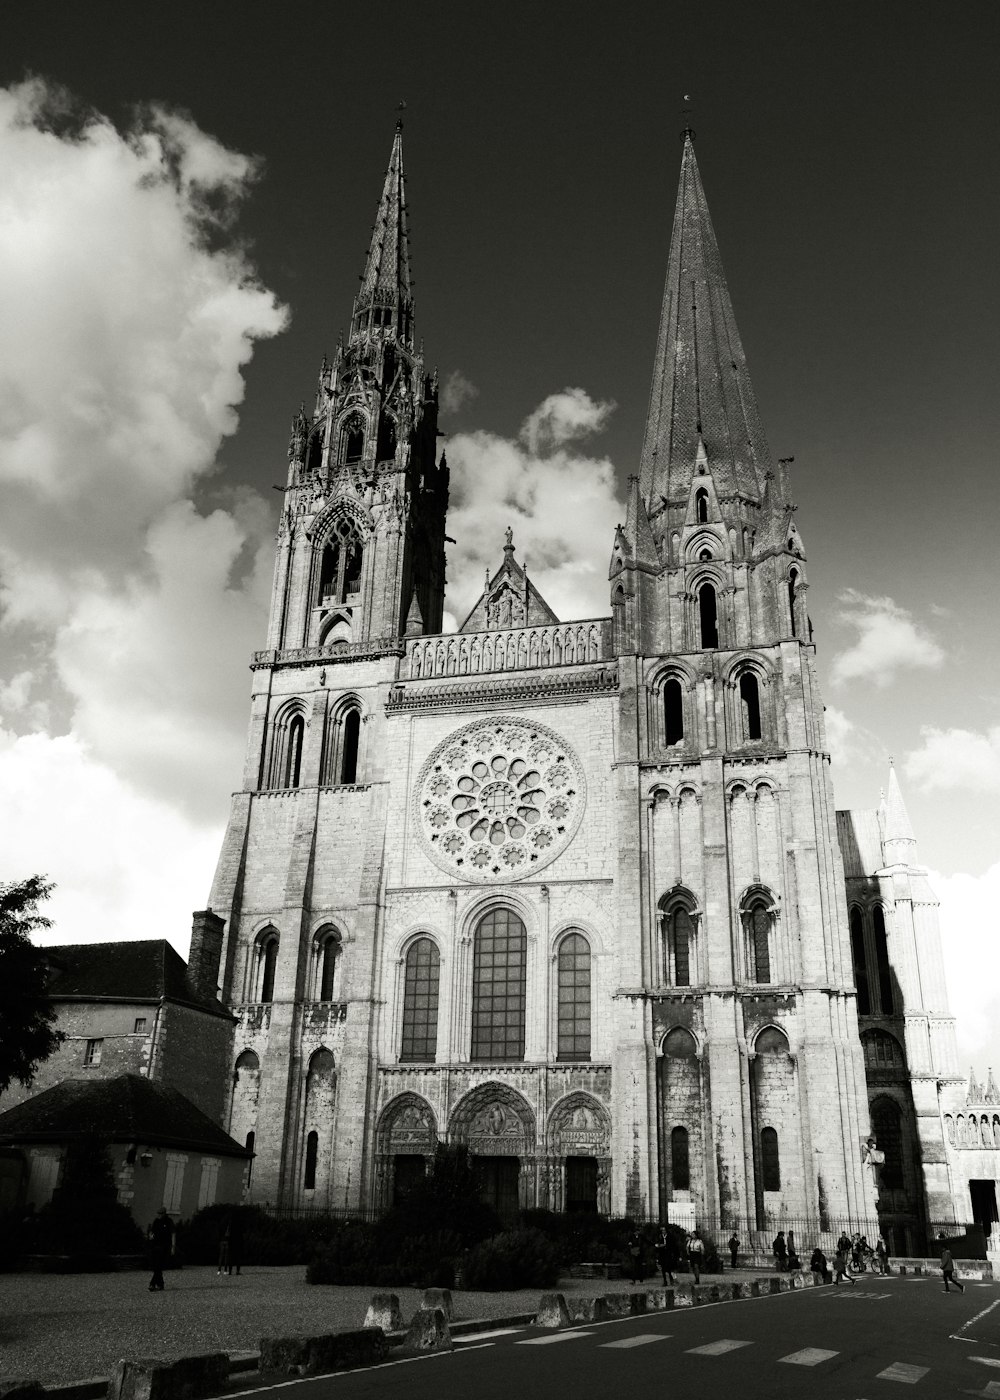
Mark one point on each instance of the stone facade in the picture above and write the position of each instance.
(569, 893)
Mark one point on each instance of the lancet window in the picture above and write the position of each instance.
(421, 985)
(340, 565)
(499, 987)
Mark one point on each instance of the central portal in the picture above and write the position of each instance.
(497, 1179)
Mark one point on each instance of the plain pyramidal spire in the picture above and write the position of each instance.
(385, 300)
(899, 840)
(701, 391)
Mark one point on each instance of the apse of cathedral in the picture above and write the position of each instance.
(572, 894)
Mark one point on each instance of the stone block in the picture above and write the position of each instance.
(589, 1310)
(429, 1331)
(738, 1290)
(384, 1311)
(773, 1285)
(682, 1297)
(552, 1311)
(618, 1305)
(316, 1356)
(723, 1292)
(439, 1298)
(656, 1299)
(185, 1379)
(753, 1288)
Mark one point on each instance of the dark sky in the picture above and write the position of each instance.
(849, 153)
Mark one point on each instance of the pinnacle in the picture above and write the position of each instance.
(386, 278)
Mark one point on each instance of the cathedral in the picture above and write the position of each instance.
(573, 894)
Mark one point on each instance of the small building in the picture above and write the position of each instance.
(164, 1150)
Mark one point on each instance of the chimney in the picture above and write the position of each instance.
(206, 953)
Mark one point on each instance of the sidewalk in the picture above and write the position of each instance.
(69, 1327)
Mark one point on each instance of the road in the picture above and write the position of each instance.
(826, 1343)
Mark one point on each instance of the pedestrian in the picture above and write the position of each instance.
(948, 1271)
(224, 1263)
(235, 1241)
(882, 1255)
(696, 1254)
(840, 1267)
(793, 1258)
(635, 1255)
(844, 1242)
(818, 1265)
(734, 1249)
(780, 1251)
(666, 1252)
(161, 1239)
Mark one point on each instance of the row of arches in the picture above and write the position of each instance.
(683, 713)
(709, 625)
(324, 973)
(873, 975)
(565, 644)
(340, 753)
(972, 1130)
(683, 958)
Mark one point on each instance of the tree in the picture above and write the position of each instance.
(27, 1036)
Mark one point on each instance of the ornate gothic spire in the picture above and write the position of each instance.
(385, 300)
(701, 386)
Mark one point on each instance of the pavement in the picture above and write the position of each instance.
(884, 1337)
(71, 1327)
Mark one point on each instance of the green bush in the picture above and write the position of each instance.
(515, 1259)
(348, 1256)
(428, 1261)
(84, 1219)
(266, 1239)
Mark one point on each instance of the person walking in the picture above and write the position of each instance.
(840, 1267)
(666, 1256)
(948, 1271)
(696, 1254)
(780, 1251)
(818, 1265)
(161, 1238)
(235, 1241)
(793, 1258)
(734, 1249)
(635, 1256)
(882, 1255)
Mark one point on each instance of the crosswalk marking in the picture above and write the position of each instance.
(808, 1356)
(639, 1341)
(902, 1371)
(489, 1334)
(718, 1348)
(553, 1337)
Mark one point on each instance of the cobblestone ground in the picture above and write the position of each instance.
(68, 1327)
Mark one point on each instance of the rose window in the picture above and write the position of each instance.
(500, 800)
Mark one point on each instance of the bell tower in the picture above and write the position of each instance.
(361, 537)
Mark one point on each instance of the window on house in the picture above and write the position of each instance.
(708, 616)
(882, 962)
(350, 736)
(574, 998)
(140, 1025)
(770, 1165)
(760, 935)
(680, 1159)
(173, 1185)
(421, 986)
(673, 711)
(92, 1053)
(701, 505)
(860, 962)
(268, 965)
(209, 1184)
(499, 986)
(312, 1151)
(750, 705)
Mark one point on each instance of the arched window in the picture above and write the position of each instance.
(573, 1036)
(701, 505)
(499, 986)
(770, 1166)
(750, 705)
(328, 949)
(860, 962)
(673, 711)
(267, 961)
(680, 938)
(888, 1129)
(680, 1159)
(340, 565)
(350, 734)
(293, 752)
(679, 1044)
(882, 961)
(353, 439)
(759, 922)
(421, 982)
(793, 579)
(386, 438)
(708, 616)
(882, 1051)
(312, 1150)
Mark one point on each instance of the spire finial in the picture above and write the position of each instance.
(687, 132)
(400, 107)
(508, 547)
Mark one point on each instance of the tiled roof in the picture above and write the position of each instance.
(137, 970)
(127, 1109)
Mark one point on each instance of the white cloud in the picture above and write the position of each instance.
(956, 758)
(888, 640)
(125, 866)
(129, 311)
(970, 934)
(562, 418)
(561, 505)
(457, 392)
(840, 732)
